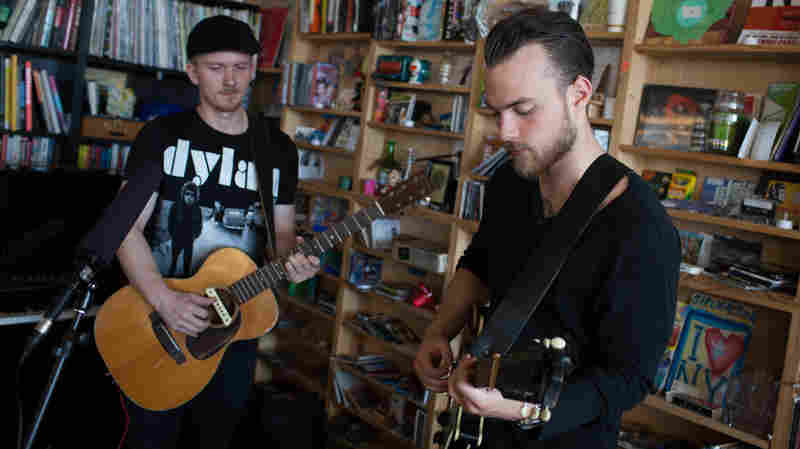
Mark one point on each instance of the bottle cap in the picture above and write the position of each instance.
(408, 123)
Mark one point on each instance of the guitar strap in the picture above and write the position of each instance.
(531, 285)
(258, 158)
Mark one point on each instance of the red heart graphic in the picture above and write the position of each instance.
(723, 351)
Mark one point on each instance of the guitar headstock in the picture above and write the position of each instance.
(416, 187)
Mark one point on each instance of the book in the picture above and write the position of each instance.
(273, 24)
(658, 180)
(710, 349)
(770, 25)
(668, 115)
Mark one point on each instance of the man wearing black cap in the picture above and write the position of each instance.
(214, 146)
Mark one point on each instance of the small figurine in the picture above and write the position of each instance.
(420, 69)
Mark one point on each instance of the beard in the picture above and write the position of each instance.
(533, 161)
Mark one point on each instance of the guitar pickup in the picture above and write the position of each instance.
(219, 307)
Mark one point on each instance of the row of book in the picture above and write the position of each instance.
(24, 152)
(30, 98)
(339, 132)
(390, 329)
(44, 23)
(766, 126)
(431, 20)
(313, 84)
(335, 16)
(472, 194)
(772, 199)
(108, 157)
(396, 412)
(153, 32)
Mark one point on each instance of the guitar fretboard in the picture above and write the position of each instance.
(273, 272)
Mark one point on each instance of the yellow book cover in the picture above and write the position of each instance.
(13, 91)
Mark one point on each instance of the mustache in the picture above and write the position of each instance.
(229, 91)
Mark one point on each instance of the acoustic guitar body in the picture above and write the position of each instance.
(139, 362)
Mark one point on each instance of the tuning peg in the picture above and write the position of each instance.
(558, 343)
(545, 415)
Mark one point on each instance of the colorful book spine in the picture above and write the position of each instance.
(28, 98)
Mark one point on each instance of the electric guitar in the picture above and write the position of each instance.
(537, 379)
(159, 368)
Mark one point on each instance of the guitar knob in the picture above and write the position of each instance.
(558, 343)
(546, 415)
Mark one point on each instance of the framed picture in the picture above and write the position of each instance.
(441, 173)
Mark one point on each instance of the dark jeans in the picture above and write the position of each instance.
(209, 419)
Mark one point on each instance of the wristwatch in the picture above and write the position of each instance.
(529, 415)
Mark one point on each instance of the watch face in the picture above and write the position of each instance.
(525, 410)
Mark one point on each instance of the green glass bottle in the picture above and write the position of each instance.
(388, 163)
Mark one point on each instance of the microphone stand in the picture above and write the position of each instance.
(70, 338)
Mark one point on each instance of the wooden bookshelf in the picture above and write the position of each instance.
(661, 404)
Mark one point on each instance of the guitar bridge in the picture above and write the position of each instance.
(219, 307)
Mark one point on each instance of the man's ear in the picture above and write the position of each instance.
(191, 71)
(580, 92)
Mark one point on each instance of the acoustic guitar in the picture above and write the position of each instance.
(160, 368)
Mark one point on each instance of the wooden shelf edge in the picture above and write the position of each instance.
(659, 403)
(335, 37)
(324, 111)
(427, 45)
(710, 158)
(426, 87)
(409, 351)
(270, 70)
(310, 308)
(376, 383)
(387, 255)
(734, 224)
(426, 314)
(768, 299)
(332, 150)
(602, 122)
(720, 50)
(422, 131)
(433, 215)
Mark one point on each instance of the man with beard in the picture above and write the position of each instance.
(216, 146)
(614, 298)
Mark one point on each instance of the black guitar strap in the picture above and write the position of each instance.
(531, 285)
(262, 130)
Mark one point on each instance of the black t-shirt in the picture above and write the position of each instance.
(614, 298)
(208, 187)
